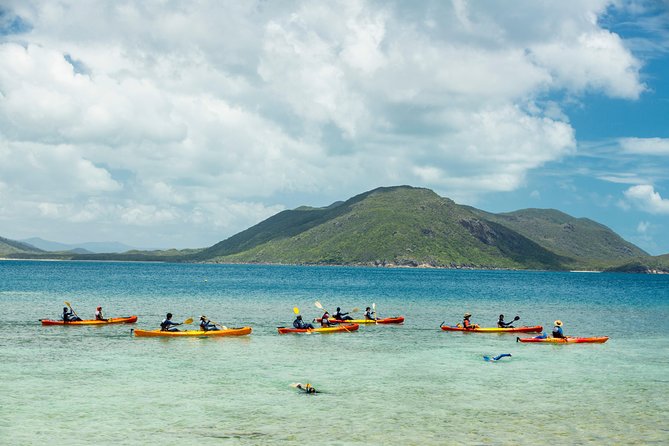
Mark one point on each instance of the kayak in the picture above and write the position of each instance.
(334, 329)
(193, 333)
(113, 320)
(567, 340)
(387, 320)
(524, 329)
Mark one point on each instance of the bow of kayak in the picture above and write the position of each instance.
(524, 329)
(335, 329)
(193, 333)
(113, 320)
(567, 340)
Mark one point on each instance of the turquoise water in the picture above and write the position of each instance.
(409, 384)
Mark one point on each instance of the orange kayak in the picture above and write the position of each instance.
(567, 340)
(333, 329)
(113, 320)
(193, 333)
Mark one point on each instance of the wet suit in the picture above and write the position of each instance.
(208, 326)
(557, 332)
(299, 323)
(496, 358)
(166, 325)
(339, 316)
(502, 324)
(69, 316)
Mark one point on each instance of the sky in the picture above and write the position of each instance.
(177, 124)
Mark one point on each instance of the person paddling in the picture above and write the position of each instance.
(339, 316)
(325, 319)
(369, 314)
(299, 323)
(168, 325)
(69, 315)
(502, 324)
(98, 314)
(557, 330)
(466, 323)
(206, 324)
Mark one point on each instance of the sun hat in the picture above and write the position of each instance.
(558, 323)
(468, 315)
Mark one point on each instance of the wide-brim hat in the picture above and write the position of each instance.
(558, 323)
(468, 315)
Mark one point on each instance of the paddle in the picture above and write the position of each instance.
(187, 321)
(220, 325)
(376, 317)
(71, 309)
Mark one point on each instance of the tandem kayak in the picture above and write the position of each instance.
(113, 320)
(334, 329)
(386, 320)
(193, 333)
(524, 329)
(567, 340)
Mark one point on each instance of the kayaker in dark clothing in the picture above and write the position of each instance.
(369, 314)
(502, 324)
(557, 330)
(207, 325)
(299, 323)
(339, 316)
(69, 315)
(167, 324)
(466, 323)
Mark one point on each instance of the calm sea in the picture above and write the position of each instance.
(408, 384)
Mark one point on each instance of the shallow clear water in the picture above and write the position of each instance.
(409, 384)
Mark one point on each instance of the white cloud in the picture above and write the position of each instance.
(646, 198)
(210, 115)
(645, 146)
(621, 178)
(643, 227)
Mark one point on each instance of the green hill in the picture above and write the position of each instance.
(578, 238)
(388, 226)
(13, 247)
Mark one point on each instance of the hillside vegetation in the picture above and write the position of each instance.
(8, 246)
(407, 226)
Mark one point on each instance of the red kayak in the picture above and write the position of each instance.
(387, 320)
(333, 329)
(113, 320)
(524, 329)
(567, 340)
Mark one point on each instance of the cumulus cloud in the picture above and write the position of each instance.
(646, 198)
(212, 114)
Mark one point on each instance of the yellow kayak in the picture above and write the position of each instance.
(193, 333)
